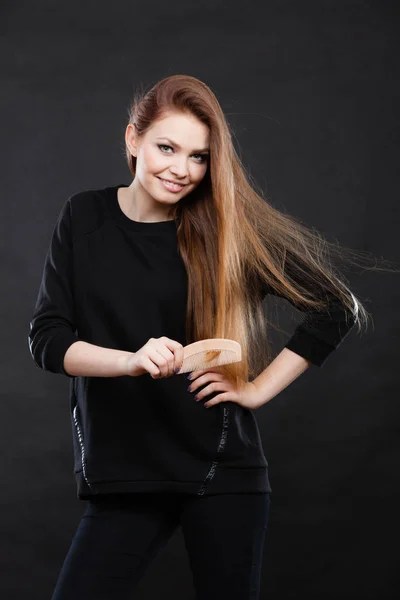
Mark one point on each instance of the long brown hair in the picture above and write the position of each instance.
(235, 244)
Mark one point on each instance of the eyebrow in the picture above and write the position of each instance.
(178, 146)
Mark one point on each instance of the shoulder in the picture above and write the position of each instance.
(88, 210)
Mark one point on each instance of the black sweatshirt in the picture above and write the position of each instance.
(115, 282)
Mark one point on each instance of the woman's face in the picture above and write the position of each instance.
(171, 157)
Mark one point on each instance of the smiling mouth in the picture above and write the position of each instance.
(171, 184)
(170, 181)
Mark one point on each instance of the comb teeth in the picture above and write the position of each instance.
(201, 360)
(212, 352)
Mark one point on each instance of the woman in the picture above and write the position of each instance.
(186, 251)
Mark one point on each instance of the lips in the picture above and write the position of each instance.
(170, 181)
(170, 186)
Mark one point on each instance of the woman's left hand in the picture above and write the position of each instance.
(247, 394)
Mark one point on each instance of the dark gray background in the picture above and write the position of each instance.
(311, 90)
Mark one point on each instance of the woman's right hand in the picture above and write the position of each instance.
(159, 357)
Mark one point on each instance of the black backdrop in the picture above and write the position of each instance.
(311, 90)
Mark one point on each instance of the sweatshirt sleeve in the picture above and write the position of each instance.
(53, 323)
(321, 331)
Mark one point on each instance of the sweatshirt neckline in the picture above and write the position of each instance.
(127, 222)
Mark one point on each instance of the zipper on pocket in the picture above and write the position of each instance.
(82, 447)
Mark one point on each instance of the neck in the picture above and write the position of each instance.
(139, 206)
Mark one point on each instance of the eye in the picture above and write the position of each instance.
(202, 157)
(163, 146)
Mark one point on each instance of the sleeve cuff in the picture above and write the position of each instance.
(309, 347)
(56, 349)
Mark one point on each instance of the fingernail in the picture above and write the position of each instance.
(189, 376)
(177, 369)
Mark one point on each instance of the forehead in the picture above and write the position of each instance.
(184, 128)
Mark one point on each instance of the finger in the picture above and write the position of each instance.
(176, 349)
(208, 377)
(162, 358)
(178, 358)
(214, 386)
(217, 399)
(199, 372)
(151, 367)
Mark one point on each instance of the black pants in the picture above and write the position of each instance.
(119, 536)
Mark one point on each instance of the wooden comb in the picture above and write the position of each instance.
(209, 353)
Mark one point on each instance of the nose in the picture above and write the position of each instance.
(179, 167)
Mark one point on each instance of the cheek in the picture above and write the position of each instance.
(151, 162)
(198, 173)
